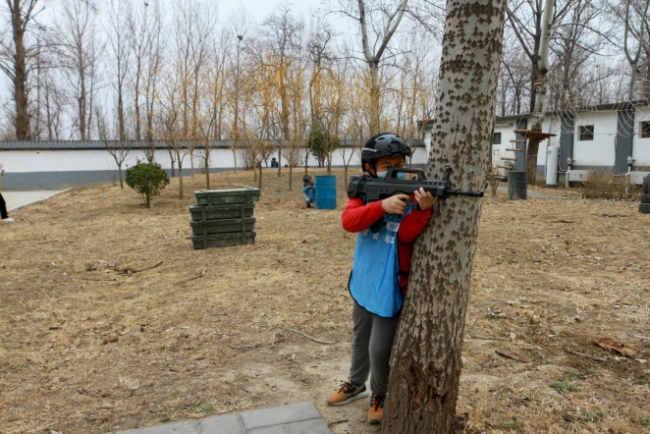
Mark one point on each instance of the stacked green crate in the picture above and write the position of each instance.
(223, 217)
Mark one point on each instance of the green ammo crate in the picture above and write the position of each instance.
(213, 227)
(217, 212)
(223, 240)
(223, 197)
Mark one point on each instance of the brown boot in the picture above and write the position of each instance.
(347, 393)
(376, 410)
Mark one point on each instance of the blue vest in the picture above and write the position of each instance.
(374, 281)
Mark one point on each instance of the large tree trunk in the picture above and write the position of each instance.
(119, 173)
(206, 166)
(426, 355)
(20, 73)
(375, 100)
(180, 175)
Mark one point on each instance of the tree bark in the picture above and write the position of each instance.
(426, 356)
(375, 99)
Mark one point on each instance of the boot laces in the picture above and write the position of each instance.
(377, 401)
(346, 387)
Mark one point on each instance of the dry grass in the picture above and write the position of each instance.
(602, 184)
(96, 351)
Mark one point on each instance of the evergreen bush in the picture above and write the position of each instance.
(148, 179)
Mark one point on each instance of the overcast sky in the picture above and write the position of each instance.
(258, 10)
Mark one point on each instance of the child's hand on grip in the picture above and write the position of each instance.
(395, 204)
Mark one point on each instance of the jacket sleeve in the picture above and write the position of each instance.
(358, 216)
(412, 225)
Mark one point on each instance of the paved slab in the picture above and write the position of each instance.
(17, 199)
(301, 418)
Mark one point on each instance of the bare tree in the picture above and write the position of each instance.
(335, 107)
(192, 37)
(119, 149)
(514, 81)
(16, 59)
(356, 132)
(211, 118)
(262, 95)
(54, 101)
(412, 96)
(81, 52)
(141, 36)
(51, 100)
(236, 83)
(296, 95)
(172, 130)
(575, 50)
(117, 45)
(637, 25)
(321, 60)
(426, 356)
(235, 96)
(146, 44)
(282, 39)
(525, 21)
(382, 19)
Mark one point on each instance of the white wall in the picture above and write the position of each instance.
(601, 150)
(101, 160)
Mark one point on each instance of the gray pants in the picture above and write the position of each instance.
(372, 340)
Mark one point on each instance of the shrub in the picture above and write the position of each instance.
(148, 179)
(601, 184)
(493, 179)
(321, 144)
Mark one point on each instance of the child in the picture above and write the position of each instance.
(3, 205)
(310, 194)
(379, 277)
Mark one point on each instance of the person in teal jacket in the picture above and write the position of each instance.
(310, 194)
(382, 262)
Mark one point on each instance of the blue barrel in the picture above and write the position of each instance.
(325, 191)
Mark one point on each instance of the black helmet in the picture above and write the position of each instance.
(383, 145)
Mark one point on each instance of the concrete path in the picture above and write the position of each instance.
(17, 199)
(302, 418)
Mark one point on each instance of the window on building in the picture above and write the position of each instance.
(586, 132)
(645, 129)
(496, 139)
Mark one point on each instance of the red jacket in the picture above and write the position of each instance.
(358, 216)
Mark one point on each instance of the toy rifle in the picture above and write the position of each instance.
(374, 189)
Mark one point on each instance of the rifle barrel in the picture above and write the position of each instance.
(466, 193)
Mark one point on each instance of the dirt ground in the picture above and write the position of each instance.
(93, 340)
